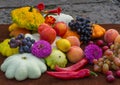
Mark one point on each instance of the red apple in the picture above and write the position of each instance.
(60, 28)
(48, 34)
(42, 27)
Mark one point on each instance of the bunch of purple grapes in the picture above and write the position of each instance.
(24, 43)
(83, 27)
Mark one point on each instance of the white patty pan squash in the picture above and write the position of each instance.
(22, 66)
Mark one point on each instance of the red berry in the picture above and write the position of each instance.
(100, 42)
(91, 42)
(118, 73)
(109, 73)
(104, 48)
(108, 52)
(110, 78)
(109, 44)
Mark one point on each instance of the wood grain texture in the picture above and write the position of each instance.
(48, 80)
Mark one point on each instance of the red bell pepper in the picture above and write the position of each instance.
(71, 74)
(74, 67)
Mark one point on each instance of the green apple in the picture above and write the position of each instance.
(57, 57)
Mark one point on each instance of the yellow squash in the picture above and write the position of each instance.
(27, 17)
(5, 49)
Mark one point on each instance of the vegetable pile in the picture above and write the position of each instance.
(52, 42)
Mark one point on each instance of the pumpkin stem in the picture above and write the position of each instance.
(31, 8)
(24, 58)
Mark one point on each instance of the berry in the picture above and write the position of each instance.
(28, 38)
(110, 78)
(21, 49)
(109, 73)
(100, 43)
(104, 48)
(26, 48)
(118, 73)
(24, 41)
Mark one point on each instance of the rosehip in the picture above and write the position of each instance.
(104, 48)
(110, 78)
(100, 43)
(109, 73)
(118, 73)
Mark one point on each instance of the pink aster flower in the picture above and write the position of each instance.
(41, 49)
(92, 51)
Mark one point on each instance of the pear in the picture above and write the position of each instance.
(57, 57)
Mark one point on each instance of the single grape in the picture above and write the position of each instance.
(28, 38)
(20, 36)
(26, 48)
(29, 44)
(114, 67)
(97, 68)
(21, 50)
(105, 68)
(95, 61)
(29, 50)
(87, 21)
(18, 42)
(116, 61)
(12, 40)
(110, 78)
(24, 41)
(100, 63)
(32, 40)
(13, 45)
(108, 52)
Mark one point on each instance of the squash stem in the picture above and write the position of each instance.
(31, 8)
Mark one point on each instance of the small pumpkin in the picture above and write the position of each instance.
(16, 32)
(13, 26)
(70, 33)
(97, 31)
(5, 49)
(22, 66)
(27, 17)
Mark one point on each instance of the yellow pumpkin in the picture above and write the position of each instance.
(27, 17)
(5, 49)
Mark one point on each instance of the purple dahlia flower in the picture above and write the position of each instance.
(41, 49)
(92, 51)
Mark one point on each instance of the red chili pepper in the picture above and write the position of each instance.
(74, 67)
(71, 74)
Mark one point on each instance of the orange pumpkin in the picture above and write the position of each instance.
(70, 33)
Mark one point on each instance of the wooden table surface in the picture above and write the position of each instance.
(48, 80)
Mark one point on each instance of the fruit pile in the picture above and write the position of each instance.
(55, 40)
